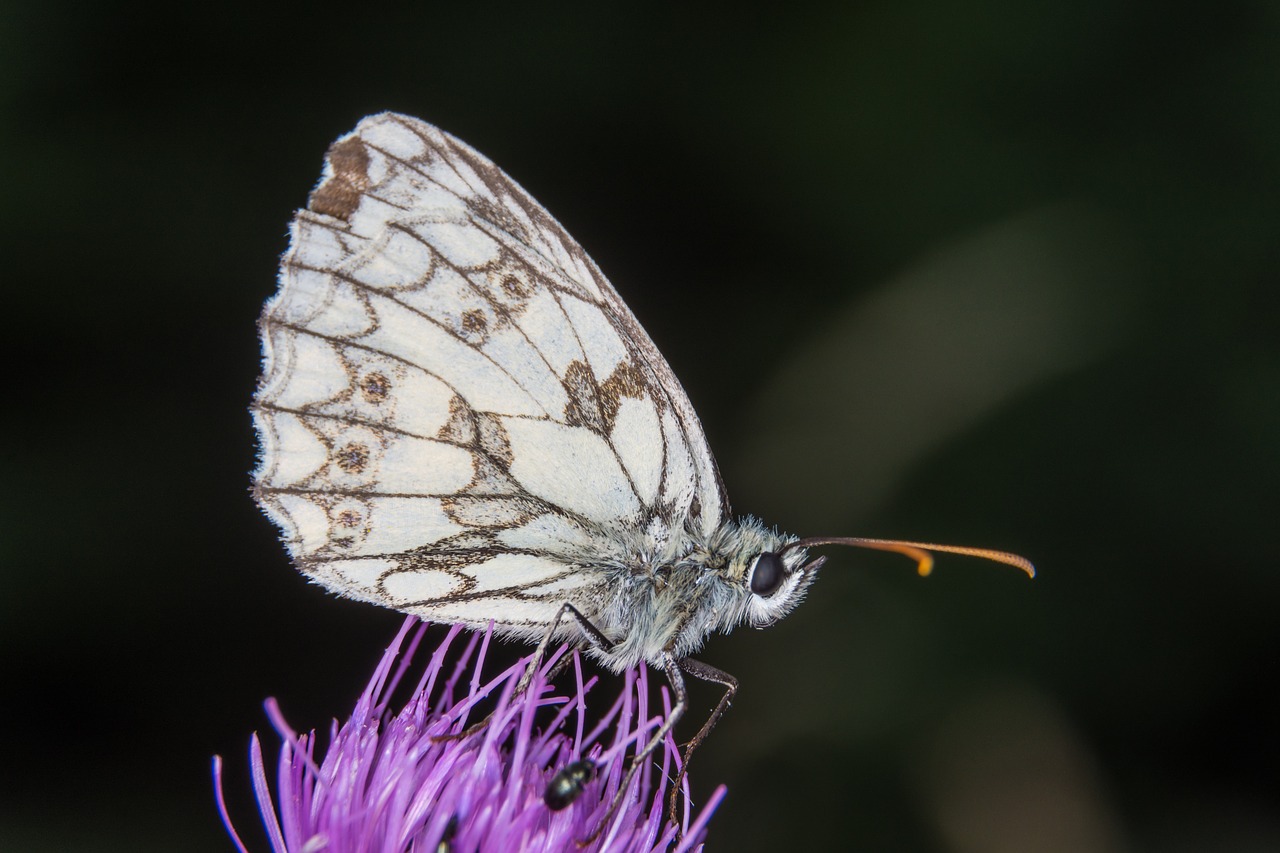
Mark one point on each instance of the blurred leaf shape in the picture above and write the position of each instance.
(884, 380)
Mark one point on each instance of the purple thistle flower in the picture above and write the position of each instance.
(385, 783)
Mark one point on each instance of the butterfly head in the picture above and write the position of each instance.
(767, 577)
(777, 582)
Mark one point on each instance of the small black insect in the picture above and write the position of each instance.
(567, 785)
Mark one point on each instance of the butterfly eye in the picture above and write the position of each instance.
(768, 574)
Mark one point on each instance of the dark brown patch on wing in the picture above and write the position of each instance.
(625, 381)
(353, 458)
(514, 287)
(474, 325)
(340, 195)
(375, 387)
(583, 408)
(595, 406)
(508, 283)
(349, 518)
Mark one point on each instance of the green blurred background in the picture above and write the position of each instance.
(992, 273)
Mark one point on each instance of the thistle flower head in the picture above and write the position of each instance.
(387, 782)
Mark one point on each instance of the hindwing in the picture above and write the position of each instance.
(458, 416)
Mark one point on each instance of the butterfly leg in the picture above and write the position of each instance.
(704, 672)
(672, 670)
(594, 636)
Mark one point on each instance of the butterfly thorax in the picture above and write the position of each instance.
(667, 600)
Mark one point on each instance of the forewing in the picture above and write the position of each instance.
(458, 415)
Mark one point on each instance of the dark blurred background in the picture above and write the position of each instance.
(991, 273)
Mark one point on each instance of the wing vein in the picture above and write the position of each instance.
(374, 292)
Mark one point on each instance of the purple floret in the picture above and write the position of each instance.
(385, 786)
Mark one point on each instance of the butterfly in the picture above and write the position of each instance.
(459, 418)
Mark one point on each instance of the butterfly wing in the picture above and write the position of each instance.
(458, 415)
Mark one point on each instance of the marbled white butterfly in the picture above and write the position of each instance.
(460, 419)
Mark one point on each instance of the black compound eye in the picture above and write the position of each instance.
(768, 574)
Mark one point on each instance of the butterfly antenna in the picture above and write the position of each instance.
(918, 551)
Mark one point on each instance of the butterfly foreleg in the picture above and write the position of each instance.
(704, 672)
